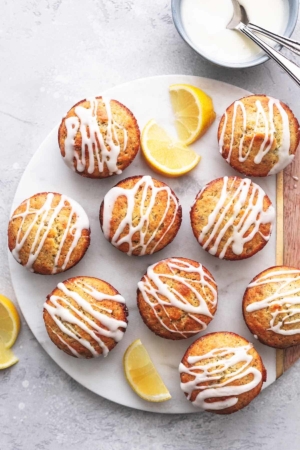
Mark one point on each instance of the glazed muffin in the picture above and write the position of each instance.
(98, 137)
(271, 306)
(177, 298)
(232, 218)
(221, 373)
(48, 233)
(140, 215)
(85, 317)
(258, 135)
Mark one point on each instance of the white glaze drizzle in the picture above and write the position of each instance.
(285, 300)
(104, 148)
(64, 318)
(164, 295)
(72, 350)
(209, 371)
(47, 214)
(148, 186)
(253, 214)
(284, 157)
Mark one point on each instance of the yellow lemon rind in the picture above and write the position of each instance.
(15, 319)
(169, 144)
(155, 398)
(206, 113)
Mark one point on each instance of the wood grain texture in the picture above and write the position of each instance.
(291, 224)
(279, 253)
(291, 241)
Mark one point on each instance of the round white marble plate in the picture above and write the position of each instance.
(148, 98)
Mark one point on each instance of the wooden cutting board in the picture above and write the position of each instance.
(288, 241)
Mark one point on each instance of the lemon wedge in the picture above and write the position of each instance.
(7, 358)
(9, 322)
(142, 375)
(165, 155)
(194, 111)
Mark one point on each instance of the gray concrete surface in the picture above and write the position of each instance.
(53, 53)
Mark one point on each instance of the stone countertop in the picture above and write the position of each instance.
(54, 53)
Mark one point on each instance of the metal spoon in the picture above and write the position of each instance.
(290, 44)
(240, 22)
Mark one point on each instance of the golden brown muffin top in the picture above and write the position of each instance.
(258, 135)
(232, 218)
(140, 215)
(85, 317)
(271, 306)
(48, 233)
(177, 298)
(221, 372)
(99, 137)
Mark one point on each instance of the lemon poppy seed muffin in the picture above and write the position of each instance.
(48, 233)
(177, 298)
(98, 137)
(140, 215)
(232, 218)
(85, 317)
(258, 135)
(221, 373)
(271, 306)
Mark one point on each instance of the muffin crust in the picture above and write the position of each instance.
(232, 218)
(258, 135)
(177, 298)
(48, 233)
(85, 317)
(271, 306)
(99, 137)
(140, 215)
(221, 373)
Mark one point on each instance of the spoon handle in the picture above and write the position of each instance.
(290, 44)
(291, 68)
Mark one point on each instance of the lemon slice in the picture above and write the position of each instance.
(142, 375)
(9, 322)
(164, 155)
(7, 358)
(194, 112)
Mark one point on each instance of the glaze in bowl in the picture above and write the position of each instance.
(259, 59)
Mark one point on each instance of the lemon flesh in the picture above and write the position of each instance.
(194, 112)
(142, 375)
(165, 155)
(9, 322)
(7, 358)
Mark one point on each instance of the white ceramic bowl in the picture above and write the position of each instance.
(293, 15)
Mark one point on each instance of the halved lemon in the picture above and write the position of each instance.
(142, 375)
(9, 322)
(165, 155)
(7, 358)
(194, 111)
